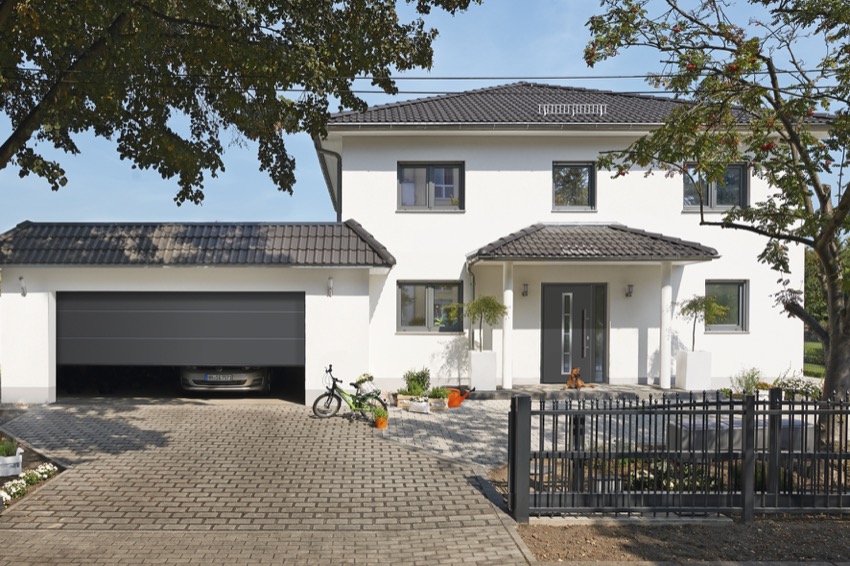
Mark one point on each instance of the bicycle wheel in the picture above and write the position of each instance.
(369, 405)
(326, 405)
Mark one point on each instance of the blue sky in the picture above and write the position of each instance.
(503, 39)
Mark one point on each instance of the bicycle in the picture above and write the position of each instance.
(364, 401)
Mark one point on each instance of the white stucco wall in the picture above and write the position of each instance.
(334, 326)
(508, 186)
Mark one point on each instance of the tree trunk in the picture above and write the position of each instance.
(837, 380)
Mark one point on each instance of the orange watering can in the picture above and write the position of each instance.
(456, 397)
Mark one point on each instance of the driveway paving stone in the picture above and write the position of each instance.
(189, 481)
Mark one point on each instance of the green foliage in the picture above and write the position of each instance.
(132, 71)
(380, 412)
(8, 447)
(417, 382)
(701, 309)
(813, 353)
(747, 98)
(485, 308)
(438, 393)
(746, 381)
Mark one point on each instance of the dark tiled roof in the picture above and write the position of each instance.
(311, 244)
(520, 104)
(577, 242)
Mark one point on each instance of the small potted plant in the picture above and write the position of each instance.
(438, 398)
(381, 418)
(693, 368)
(11, 457)
(482, 364)
(417, 382)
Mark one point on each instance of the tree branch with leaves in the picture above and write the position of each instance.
(133, 71)
(745, 96)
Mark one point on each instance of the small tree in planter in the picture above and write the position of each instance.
(700, 308)
(693, 369)
(482, 365)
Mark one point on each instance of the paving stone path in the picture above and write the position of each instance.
(184, 481)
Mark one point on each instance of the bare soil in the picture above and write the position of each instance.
(774, 538)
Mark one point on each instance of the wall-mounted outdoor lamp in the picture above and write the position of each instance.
(630, 289)
(330, 286)
(23, 286)
(525, 289)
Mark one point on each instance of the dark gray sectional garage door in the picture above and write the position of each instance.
(173, 329)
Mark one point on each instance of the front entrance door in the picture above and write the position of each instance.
(574, 332)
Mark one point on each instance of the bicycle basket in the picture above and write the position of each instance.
(368, 387)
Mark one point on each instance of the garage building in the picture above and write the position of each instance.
(156, 294)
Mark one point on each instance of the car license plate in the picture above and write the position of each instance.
(218, 377)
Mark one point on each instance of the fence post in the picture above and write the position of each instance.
(749, 449)
(774, 426)
(519, 456)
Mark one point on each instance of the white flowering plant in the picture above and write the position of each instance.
(14, 489)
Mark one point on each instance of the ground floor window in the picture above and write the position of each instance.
(734, 296)
(424, 306)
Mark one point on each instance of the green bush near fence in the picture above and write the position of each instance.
(813, 360)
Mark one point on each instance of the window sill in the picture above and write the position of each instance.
(426, 333)
(707, 210)
(577, 209)
(727, 332)
(428, 211)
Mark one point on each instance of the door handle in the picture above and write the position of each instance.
(585, 339)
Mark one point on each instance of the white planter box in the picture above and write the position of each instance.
(419, 407)
(482, 370)
(693, 370)
(12, 465)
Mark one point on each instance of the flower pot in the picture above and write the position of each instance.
(381, 422)
(693, 370)
(12, 465)
(438, 404)
(419, 407)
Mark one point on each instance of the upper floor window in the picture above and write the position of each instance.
(734, 296)
(729, 193)
(573, 186)
(430, 186)
(423, 306)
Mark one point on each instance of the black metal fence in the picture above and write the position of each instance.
(681, 454)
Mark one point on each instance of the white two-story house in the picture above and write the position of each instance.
(494, 191)
(439, 200)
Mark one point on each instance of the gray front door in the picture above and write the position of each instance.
(573, 333)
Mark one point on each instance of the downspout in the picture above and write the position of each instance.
(338, 157)
(472, 282)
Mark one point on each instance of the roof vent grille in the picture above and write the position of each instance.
(572, 109)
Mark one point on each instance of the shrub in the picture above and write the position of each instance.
(8, 447)
(746, 381)
(417, 382)
(439, 393)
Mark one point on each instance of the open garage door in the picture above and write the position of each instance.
(180, 329)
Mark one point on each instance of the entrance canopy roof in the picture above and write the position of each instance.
(590, 242)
